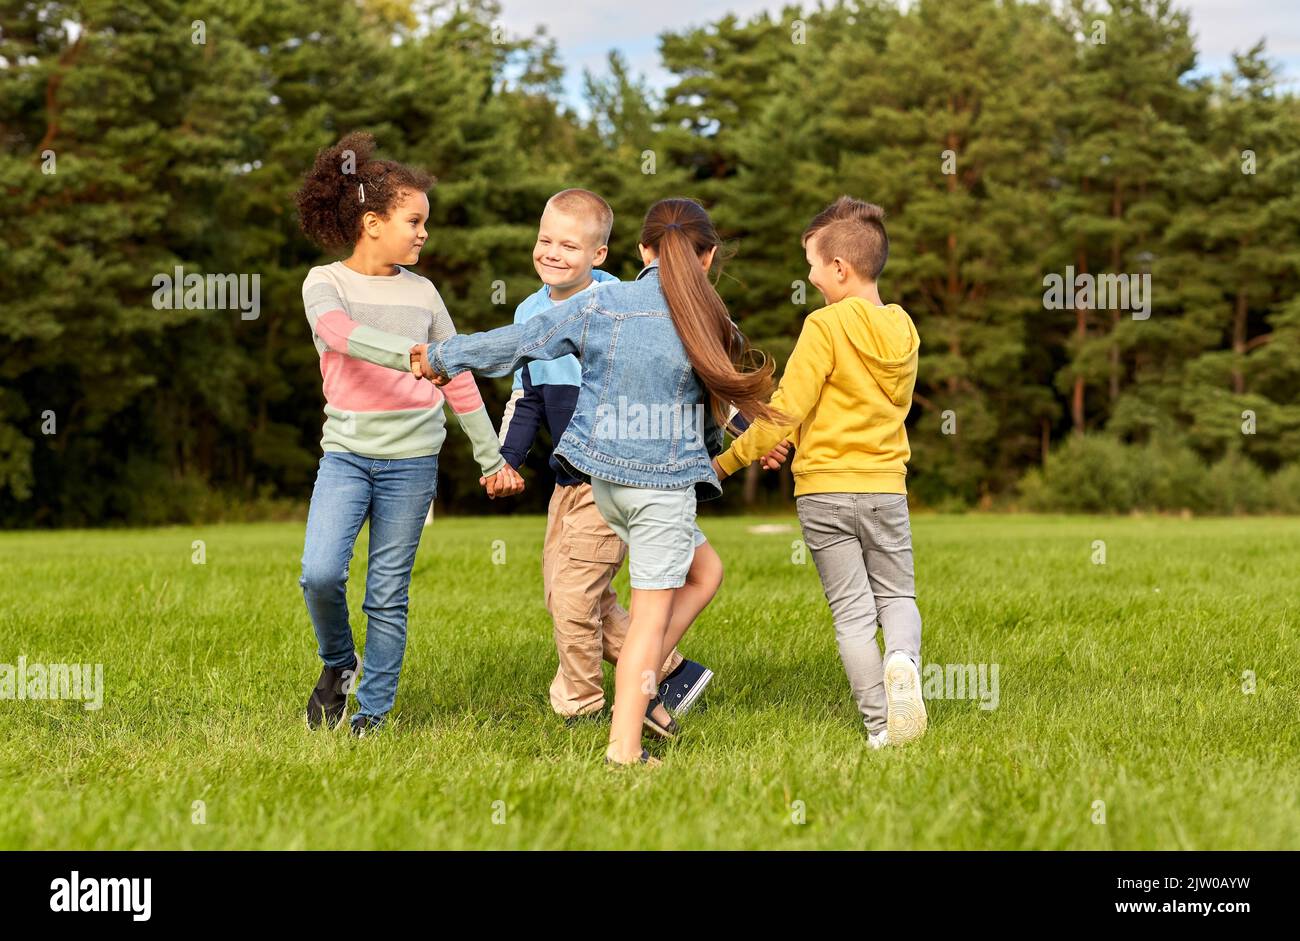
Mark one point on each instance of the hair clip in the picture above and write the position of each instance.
(361, 188)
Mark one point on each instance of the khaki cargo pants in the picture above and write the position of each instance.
(580, 558)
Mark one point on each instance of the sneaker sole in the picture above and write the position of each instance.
(907, 720)
(694, 693)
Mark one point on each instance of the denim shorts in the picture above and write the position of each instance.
(658, 527)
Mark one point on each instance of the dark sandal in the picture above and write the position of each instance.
(645, 759)
(663, 731)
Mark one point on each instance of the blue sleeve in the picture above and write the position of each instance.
(527, 416)
(518, 382)
(548, 335)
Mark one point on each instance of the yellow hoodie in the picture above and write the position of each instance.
(848, 388)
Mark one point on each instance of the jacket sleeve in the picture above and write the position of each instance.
(547, 335)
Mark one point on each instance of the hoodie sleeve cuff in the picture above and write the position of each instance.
(728, 461)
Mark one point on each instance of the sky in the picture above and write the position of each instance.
(585, 30)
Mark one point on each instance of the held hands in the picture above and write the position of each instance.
(774, 458)
(504, 483)
(421, 369)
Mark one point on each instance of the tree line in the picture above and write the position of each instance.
(1100, 245)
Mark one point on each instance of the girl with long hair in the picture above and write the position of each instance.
(663, 366)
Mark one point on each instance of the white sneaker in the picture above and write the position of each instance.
(878, 740)
(907, 719)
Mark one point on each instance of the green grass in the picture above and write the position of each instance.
(1119, 682)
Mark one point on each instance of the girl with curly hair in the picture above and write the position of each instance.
(383, 427)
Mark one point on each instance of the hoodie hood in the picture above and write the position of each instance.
(887, 342)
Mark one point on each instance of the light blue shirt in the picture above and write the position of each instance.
(565, 371)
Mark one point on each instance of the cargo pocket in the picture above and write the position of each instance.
(588, 564)
(594, 547)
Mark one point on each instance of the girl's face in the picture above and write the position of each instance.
(398, 239)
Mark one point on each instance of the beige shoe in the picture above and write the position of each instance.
(907, 719)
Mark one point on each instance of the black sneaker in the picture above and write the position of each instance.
(682, 688)
(363, 725)
(329, 700)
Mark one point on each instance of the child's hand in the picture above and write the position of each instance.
(774, 458)
(514, 482)
(504, 483)
(717, 469)
(420, 367)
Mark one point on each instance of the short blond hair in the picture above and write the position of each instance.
(586, 205)
(854, 231)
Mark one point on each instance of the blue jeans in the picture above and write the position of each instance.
(395, 495)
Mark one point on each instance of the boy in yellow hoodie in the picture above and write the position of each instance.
(848, 389)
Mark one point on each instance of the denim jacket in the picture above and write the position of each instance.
(642, 417)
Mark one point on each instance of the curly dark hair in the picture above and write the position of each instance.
(329, 201)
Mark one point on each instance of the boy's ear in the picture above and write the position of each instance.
(601, 254)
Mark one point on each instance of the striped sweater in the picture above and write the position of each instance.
(364, 326)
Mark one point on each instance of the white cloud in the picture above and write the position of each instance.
(1222, 27)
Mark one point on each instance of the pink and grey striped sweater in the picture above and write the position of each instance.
(364, 327)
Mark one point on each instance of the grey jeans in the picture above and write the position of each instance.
(862, 546)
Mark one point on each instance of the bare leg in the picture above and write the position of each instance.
(702, 583)
(637, 673)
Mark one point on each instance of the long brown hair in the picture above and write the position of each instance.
(680, 232)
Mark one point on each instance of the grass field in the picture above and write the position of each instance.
(1120, 682)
